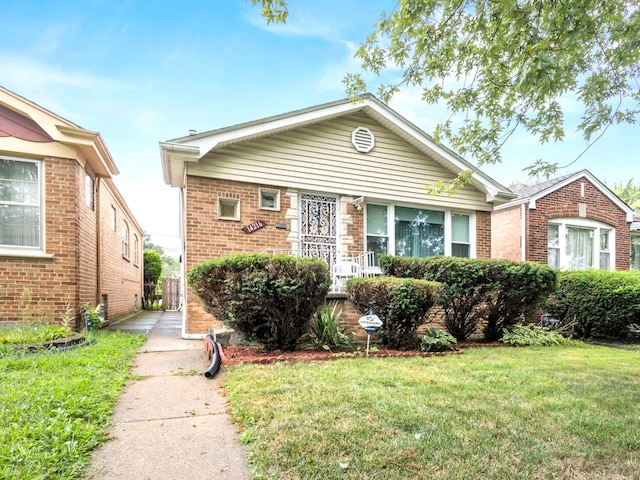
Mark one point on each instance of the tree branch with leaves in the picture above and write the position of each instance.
(501, 66)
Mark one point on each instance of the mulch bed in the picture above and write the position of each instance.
(233, 354)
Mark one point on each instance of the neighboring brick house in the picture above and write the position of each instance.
(67, 237)
(570, 222)
(635, 242)
(341, 181)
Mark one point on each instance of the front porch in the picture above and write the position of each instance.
(342, 266)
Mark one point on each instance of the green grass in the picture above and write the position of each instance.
(32, 333)
(56, 407)
(491, 413)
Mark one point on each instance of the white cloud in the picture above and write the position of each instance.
(299, 24)
(147, 120)
(33, 75)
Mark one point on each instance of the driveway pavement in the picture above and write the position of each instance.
(170, 422)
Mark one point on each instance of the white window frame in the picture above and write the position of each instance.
(38, 250)
(136, 247)
(634, 236)
(236, 204)
(596, 227)
(273, 191)
(114, 216)
(125, 240)
(448, 240)
(89, 188)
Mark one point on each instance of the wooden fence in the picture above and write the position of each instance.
(171, 293)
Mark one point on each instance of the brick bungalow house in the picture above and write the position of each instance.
(569, 222)
(341, 181)
(67, 237)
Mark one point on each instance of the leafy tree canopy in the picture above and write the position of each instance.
(152, 266)
(505, 65)
(170, 265)
(629, 193)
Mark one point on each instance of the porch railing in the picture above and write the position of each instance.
(342, 266)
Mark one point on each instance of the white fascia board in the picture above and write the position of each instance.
(174, 156)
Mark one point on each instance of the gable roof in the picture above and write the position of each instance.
(530, 194)
(31, 129)
(177, 152)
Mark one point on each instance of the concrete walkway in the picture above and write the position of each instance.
(170, 421)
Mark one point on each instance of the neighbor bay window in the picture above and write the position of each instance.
(20, 208)
(579, 244)
(635, 252)
(417, 232)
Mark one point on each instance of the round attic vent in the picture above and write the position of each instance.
(362, 139)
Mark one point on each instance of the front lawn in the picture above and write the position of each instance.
(55, 407)
(491, 413)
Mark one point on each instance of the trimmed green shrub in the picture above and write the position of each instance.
(402, 267)
(464, 292)
(269, 299)
(436, 340)
(401, 304)
(325, 328)
(500, 293)
(597, 302)
(533, 336)
(516, 291)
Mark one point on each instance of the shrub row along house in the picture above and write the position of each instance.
(67, 238)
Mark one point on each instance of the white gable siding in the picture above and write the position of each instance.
(322, 158)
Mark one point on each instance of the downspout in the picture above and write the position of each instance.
(98, 242)
(523, 233)
(183, 268)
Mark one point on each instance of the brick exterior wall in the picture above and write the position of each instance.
(56, 289)
(46, 289)
(506, 235)
(121, 278)
(207, 237)
(87, 265)
(483, 234)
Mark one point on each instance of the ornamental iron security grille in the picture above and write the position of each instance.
(318, 227)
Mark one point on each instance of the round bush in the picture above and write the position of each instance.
(269, 299)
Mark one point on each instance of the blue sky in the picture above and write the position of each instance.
(142, 72)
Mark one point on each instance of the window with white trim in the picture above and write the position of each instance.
(418, 232)
(579, 244)
(228, 208)
(113, 218)
(20, 203)
(88, 191)
(125, 240)
(635, 252)
(136, 247)
(269, 199)
(460, 235)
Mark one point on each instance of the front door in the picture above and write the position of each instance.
(318, 227)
